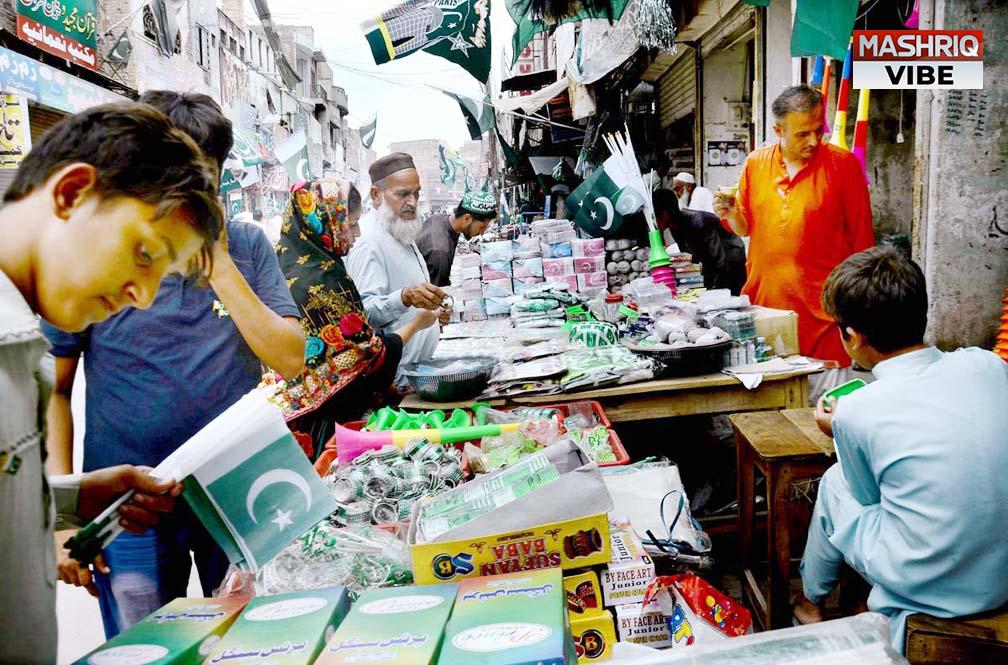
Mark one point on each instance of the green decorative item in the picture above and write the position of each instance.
(528, 25)
(479, 115)
(388, 419)
(594, 334)
(823, 27)
(479, 202)
(456, 30)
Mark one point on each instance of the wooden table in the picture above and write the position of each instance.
(664, 398)
(788, 449)
(979, 639)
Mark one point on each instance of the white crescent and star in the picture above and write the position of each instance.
(607, 204)
(302, 170)
(274, 477)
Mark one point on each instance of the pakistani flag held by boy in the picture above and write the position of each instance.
(253, 487)
(456, 30)
(600, 202)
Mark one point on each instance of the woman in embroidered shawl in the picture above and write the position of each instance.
(348, 365)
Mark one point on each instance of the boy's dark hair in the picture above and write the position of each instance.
(353, 200)
(665, 200)
(137, 153)
(197, 115)
(882, 295)
(478, 216)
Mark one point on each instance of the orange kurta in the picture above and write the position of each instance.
(800, 230)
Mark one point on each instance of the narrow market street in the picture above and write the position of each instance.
(504, 332)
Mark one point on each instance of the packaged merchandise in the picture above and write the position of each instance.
(556, 268)
(499, 251)
(532, 267)
(498, 288)
(626, 578)
(497, 305)
(592, 280)
(583, 594)
(521, 284)
(288, 629)
(589, 264)
(400, 625)
(643, 624)
(182, 632)
(557, 250)
(594, 636)
(497, 270)
(588, 247)
(518, 619)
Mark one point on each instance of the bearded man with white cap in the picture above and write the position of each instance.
(389, 270)
(691, 195)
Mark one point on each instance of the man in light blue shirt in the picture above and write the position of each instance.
(917, 503)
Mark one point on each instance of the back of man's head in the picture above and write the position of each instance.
(136, 152)
(665, 200)
(880, 294)
(199, 116)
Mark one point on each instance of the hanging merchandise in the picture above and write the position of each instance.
(822, 27)
(456, 30)
(839, 137)
(860, 148)
(534, 16)
(655, 26)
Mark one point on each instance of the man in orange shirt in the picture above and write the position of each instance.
(805, 206)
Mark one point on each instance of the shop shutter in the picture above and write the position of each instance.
(736, 22)
(677, 89)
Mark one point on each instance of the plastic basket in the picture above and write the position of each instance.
(450, 387)
(622, 456)
(687, 360)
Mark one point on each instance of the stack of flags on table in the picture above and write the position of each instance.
(1001, 344)
(247, 480)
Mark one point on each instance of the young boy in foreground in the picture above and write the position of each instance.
(917, 504)
(107, 203)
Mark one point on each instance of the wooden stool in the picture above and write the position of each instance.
(981, 639)
(788, 449)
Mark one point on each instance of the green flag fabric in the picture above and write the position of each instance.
(479, 117)
(452, 165)
(527, 27)
(293, 154)
(246, 148)
(368, 131)
(599, 204)
(510, 156)
(757, 3)
(823, 27)
(456, 30)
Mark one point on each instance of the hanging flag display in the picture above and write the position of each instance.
(452, 165)
(822, 27)
(456, 30)
(839, 137)
(527, 27)
(293, 154)
(599, 204)
(368, 131)
(479, 116)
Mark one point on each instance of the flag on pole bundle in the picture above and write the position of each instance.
(247, 480)
(839, 137)
(368, 131)
(452, 165)
(599, 204)
(456, 30)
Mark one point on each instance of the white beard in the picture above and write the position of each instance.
(403, 230)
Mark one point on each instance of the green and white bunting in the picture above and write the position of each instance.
(527, 27)
(456, 30)
(599, 204)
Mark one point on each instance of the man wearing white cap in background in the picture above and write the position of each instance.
(692, 196)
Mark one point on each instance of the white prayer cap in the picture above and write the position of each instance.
(685, 177)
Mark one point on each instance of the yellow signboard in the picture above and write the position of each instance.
(15, 135)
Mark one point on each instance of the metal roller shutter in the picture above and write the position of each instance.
(677, 89)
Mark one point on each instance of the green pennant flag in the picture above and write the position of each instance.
(510, 156)
(229, 182)
(368, 131)
(452, 165)
(456, 30)
(527, 27)
(479, 116)
(823, 27)
(600, 202)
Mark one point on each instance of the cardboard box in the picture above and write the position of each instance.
(583, 594)
(779, 327)
(589, 264)
(644, 625)
(182, 632)
(594, 636)
(400, 625)
(630, 571)
(563, 523)
(291, 628)
(518, 619)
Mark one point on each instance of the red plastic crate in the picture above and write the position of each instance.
(622, 457)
